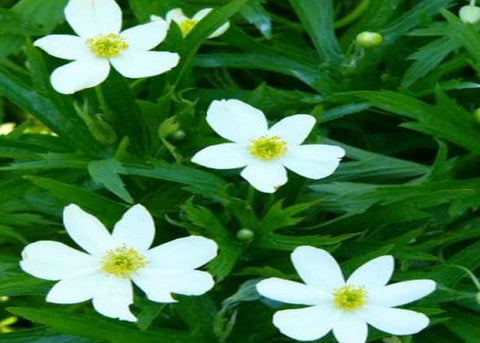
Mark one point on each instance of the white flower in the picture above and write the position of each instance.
(100, 43)
(265, 152)
(105, 273)
(6, 128)
(344, 307)
(186, 24)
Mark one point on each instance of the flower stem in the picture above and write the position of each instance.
(250, 195)
(468, 272)
(352, 16)
(103, 103)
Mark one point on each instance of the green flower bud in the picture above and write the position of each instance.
(476, 114)
(100, 129)
(477, 297)
(368, 39)
(178, 135)
(245, 235)
(469, 14)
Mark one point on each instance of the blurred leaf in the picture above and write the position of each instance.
(68, 125)
(318, 19)
(255, 13)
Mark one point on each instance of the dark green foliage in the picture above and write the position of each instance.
(403, 111)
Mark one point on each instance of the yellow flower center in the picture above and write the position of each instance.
(268, 148)
(350, 298)
(123, 261)
(187, 25)
(107, 46)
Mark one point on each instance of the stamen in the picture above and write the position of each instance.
(111, 45)
(350, 298)
(268, 148)
(187, 25)
(123, 262)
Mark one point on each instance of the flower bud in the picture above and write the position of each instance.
(178, 135)
(100, 129)
(470, 14)
(477, 297)
(245, 235)
(476, 114)
(368, 39)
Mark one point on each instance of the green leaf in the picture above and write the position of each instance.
(415, 17)
(428, 58)
(309, 74)
(95, 327)
(466, 35)
(446, 119)
(230, 248)
(12, 24)
(40, 335)
(124, 112)
(105, 172)
(44, 15)
(72, 194)
(199, 181)
(318, 19)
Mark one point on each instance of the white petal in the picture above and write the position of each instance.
(314, 161)
(137, 64)
(89, 18)
(86, 230)
(152, 284)
(64, 46)
(317, 268)
(147, 36)
(401, 293)
(266, 177)
(294, 129)
(350, 328)
(183, 253)
(291, 292)
(176, 15)
(202, 14)
(158, 284)
(55, 261)
(113, 298)
(136, 229)
(393, 320)
(373, 274)
(80, 74)
(75, 290)
(236, 121)
(306, 324)
(220, 31)
(223, 156)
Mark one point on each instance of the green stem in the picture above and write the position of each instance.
(103, 104)
(472, 2)
(468, 272)
(250, 195)
(352, 16)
